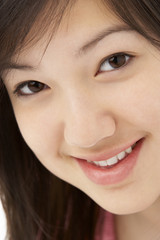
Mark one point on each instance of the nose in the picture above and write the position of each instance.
(87, 124)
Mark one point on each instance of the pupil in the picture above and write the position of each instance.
(35, 86)
(117, 61)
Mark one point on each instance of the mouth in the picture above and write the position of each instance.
(114, 169)
(109, 163)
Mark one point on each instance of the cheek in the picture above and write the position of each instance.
(140, 102)
(41, 131)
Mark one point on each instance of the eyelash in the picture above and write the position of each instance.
(106, 59)
(18, 89)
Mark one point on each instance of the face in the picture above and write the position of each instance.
(94, 93)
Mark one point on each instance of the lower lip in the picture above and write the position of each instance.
(115, 174)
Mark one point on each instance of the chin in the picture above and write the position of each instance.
(125, 208)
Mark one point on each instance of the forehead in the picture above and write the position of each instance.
(85, 18)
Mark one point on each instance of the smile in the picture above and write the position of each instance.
(115, 159)
(117, 166)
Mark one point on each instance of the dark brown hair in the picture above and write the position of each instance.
(37, 204)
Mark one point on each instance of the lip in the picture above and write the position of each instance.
(115, 174)
(106, 155)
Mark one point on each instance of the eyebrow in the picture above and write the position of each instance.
(22, 67)
(82, 50)
(101, 35)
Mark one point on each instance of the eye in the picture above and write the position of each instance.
(114, 62)
(29, 88)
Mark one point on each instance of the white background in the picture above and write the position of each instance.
(2, 223)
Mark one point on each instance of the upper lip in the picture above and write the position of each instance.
(107, 154)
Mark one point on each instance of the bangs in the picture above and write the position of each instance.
(142, 16)
(24, 24)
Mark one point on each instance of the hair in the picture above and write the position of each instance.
(37, 204)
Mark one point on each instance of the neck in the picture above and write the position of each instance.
(143, 225)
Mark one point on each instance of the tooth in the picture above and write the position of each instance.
(112, 161)
(129, 150)
(97, 163)
(121, 155)
(103, 163)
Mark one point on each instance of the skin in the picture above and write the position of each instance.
(81, 113)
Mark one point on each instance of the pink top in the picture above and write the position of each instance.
(105, 228)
